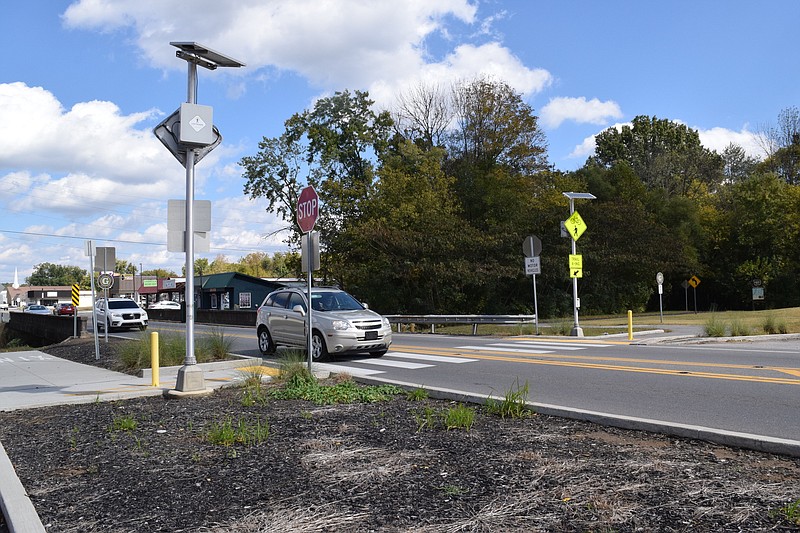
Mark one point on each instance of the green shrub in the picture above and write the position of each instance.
(714, 327)
(739, 329)
(769, 324)
(214, 346)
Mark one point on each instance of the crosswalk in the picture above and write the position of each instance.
(414, 358)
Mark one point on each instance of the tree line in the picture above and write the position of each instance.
(424, 207)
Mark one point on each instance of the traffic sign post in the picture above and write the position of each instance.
(660, 281)
(307, 214)
(575, 226)
(531, 248)
(694, 281)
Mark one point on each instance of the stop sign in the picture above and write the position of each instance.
(307, 209)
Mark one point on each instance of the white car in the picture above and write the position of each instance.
(120, 313)
(340, 324)
(165, 304)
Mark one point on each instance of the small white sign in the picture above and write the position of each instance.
(532, 266)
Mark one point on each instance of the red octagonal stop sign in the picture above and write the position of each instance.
(307, 209)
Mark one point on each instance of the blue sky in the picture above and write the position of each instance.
(84, 82)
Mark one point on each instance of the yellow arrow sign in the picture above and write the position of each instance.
(694, 281)
(575, 226)
(576, 272)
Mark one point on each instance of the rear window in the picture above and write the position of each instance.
(280, 299)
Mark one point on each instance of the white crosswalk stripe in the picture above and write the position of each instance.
(433, 358)
(552, 345)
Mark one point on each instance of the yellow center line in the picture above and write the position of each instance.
(570, 361)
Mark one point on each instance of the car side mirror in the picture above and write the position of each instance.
(365, 304)
(299, 309)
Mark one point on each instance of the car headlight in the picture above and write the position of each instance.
(386, 322)
(341, 325)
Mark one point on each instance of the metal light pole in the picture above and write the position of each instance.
(577, 331)
(190, 376)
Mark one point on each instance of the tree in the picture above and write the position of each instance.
(124, 267)
(664, 154)
(422, 115)
(160, 273)
(56, 275)
(336, 143)
(737, 165)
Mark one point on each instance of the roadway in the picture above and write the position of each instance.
(743, 387)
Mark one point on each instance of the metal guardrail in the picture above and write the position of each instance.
(433, 320)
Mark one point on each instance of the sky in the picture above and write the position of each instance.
(84, 82)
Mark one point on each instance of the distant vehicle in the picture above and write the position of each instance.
(340, 324)
(37, 309)
(165, 304)
(120, 313)
(64, 309)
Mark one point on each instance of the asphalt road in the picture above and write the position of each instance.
(746, 387)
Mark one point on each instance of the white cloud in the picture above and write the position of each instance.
(718, 139)
(580, 110)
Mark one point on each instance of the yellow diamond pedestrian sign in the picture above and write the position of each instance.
(575, 226)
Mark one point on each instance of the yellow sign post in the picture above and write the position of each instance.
(575, 226)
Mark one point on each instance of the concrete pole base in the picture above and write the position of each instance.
(190, 382)
(577, 331)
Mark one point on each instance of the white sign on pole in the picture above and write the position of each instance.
(532, 266)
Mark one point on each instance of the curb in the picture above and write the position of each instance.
(19, 512)
(748, 441)
(213, 365)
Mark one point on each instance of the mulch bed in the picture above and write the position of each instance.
(369, 467)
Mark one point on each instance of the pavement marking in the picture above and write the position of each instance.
(505, 350)
(394, 364)
(432, 358)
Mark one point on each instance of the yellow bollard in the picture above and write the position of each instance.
(630, 325)
(154, 357)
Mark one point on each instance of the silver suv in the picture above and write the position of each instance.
(340, 324)
(120, 313)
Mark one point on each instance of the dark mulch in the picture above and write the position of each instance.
(369, 467)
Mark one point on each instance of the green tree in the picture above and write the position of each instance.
(336, 143)
(664, 154)
(56, 275)
(124, 267)
(160, 272)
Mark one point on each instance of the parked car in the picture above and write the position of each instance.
(120, 313)
(37, 309)
(340, 324)
(64, 309)
(165, 304)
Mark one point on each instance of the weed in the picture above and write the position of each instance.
(124, 423)
(73, 440)
(303, 386)
(426, 419)
(307, 415)
(789, 512)
(459, 417)
(452, 490)
(228, 434)
(513, 404)
(714, 327)
(561, 327)
(253, 396)
(417, 395)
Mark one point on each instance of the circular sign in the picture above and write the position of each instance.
(756, 282)
(307, 209)
(106, 281)
(660, 278)
(532, 246)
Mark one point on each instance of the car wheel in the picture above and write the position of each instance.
(265, 344)
(318, 350)
(377, 353)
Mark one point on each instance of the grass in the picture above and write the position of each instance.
(135, 355)
(459, 417)
(714, 327)
(514, 403)
(244, 432)
(124, 423)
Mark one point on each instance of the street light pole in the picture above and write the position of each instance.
(577, 331)
(190, 375)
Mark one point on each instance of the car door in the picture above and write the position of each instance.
(295, 320)
(276, 317)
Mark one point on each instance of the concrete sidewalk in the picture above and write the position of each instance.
(35, 379)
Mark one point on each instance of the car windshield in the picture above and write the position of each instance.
(122, 304)
(36, 307)
(334, 301)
